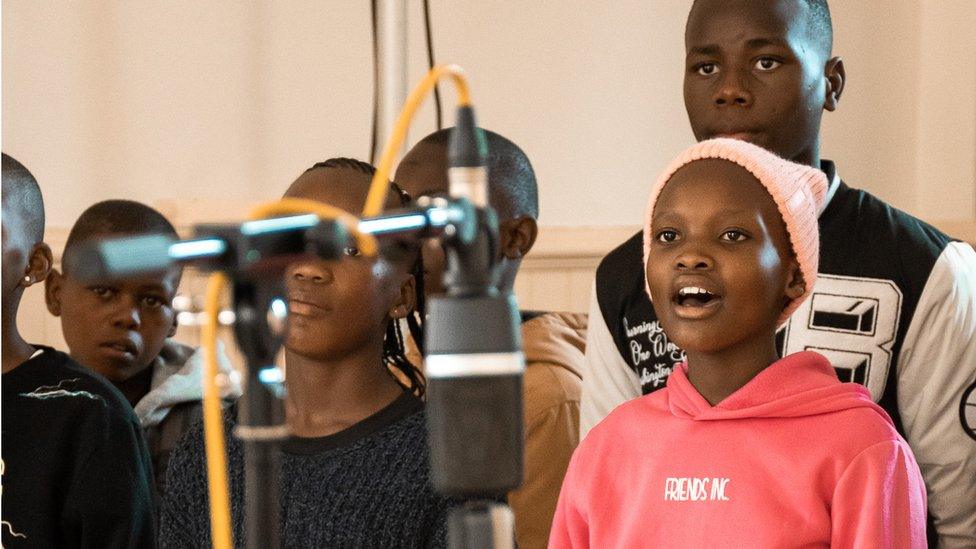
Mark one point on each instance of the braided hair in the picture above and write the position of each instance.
(406, 374)
(394, 350)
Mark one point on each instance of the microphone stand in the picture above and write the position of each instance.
(474, 370)
(255, 254)
(259, 329)
(474, 365)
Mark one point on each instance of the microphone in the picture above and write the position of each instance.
(262, 245)
(474, 376)
(121, 258)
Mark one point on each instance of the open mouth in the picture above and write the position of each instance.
(124, 349)
(694, 296)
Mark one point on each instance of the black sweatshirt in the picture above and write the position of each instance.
(365, 486)
(76, 471)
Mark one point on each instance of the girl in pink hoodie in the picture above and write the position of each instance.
(741, 449)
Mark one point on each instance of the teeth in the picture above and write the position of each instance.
(692, 290)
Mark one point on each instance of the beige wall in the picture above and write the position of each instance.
(167, 100)
(188, 104)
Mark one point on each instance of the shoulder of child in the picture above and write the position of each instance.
(113, 447)
(866, 426)
(630, 420)
(905, 234)
(553, 345)
(56, 377)
(100, 439)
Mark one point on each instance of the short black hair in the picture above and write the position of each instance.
(20, 185)
(512, 188)
(117, 217)
(819, 24)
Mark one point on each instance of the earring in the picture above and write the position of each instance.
(398, 312)
(28, 280)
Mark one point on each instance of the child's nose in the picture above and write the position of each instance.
(733, 91)
(693, 260)
(317, 272)
(127, 315)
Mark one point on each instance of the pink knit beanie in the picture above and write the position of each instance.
(799, 192)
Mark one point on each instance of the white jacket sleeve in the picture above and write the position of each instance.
(607, 380)
(936, 369)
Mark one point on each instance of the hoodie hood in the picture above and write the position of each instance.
(555, 338)
(799, 385)
(178, 378)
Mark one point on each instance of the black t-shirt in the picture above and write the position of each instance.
(76, 471)
(365, 486)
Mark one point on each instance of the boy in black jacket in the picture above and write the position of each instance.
(75, 468)
(894, 307)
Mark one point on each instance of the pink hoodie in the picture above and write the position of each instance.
(795, 458)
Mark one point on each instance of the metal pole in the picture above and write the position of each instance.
(259, 329)
(391, 26)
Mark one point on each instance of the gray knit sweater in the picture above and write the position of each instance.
(366, 486)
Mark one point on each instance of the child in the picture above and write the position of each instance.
(75, 468)
(355, 470)
(120, 329)
(893, 308)
(552, 342)
(749, 450)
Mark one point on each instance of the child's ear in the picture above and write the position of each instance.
(795, 287)
(40, 263)
(517, 236)
(52, 292)
(407, 298)
(836, 77)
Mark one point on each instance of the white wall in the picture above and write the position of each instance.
(162, 101)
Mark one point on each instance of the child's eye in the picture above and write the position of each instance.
(153, 302)
(767, 63)
(103, 292)
(667, 235)
(707, 69)
(351, 251)
(734, 236)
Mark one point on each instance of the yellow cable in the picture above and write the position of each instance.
(286, 206)
(213, 423)
(380, 186)
(220, 527)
